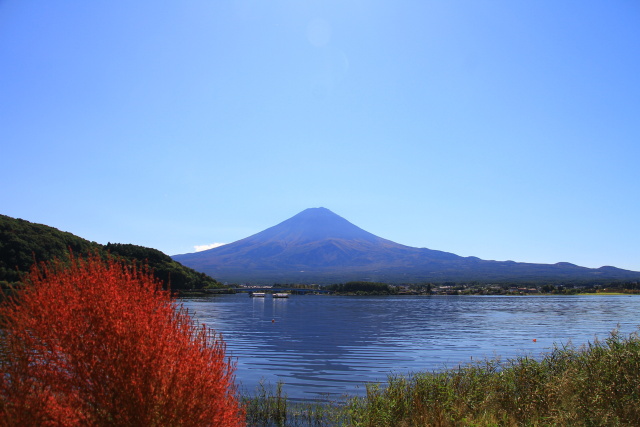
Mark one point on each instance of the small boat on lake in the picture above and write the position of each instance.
(257, 294)
(280, 295)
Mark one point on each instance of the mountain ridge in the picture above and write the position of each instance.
(319, 246)
(22, 243)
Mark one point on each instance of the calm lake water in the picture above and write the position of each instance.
(323, 346)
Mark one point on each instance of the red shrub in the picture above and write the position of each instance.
(90, 342)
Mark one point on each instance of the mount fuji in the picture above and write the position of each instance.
(318, 246)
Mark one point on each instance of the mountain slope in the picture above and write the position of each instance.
(315, 238)
(22, 242)
(318, 246)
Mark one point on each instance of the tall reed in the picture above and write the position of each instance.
(270, 407)
(597, 384)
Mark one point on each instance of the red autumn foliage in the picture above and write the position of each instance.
(93, 342)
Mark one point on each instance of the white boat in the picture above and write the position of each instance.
(281, 295)
(257, 294)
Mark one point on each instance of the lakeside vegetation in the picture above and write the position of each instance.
(594, 385)
(452, 288)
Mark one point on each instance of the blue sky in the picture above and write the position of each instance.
(501, 129)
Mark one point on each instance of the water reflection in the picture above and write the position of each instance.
(327, 344)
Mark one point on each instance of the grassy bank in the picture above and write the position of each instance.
(270, 407)
(595, 385)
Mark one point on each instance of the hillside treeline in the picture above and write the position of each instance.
(23, 243)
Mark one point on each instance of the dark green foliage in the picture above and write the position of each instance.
(547, 288)
(166, 269)
(23, 243)
(363, 288)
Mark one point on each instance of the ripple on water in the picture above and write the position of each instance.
(325, 345)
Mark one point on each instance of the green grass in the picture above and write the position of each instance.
(594, 385)
(269, 407)
(607, 293)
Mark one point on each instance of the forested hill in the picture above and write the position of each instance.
(22, 242)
